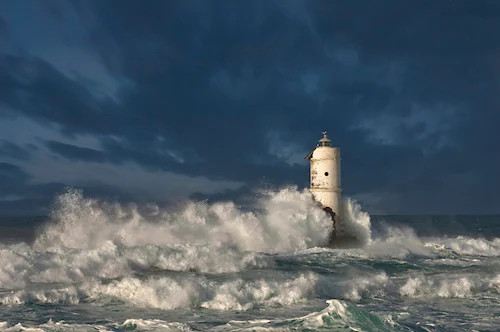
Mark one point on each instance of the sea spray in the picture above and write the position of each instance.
(289, 221)
(356, 222)
(193, 266)
(175, 292)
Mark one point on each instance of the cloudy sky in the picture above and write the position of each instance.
(165, 100)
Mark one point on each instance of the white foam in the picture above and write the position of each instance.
(91, 251)
(356, 221)
(446, 286)
(362, 287)
(154, 325)
(18, 327)
(471, 246)
(397, 242)
(89, 239)
(421, 286)
(51, 326)
(339, 315)
(290, 221)
(170, 293)
(401, 241)
(241, 295)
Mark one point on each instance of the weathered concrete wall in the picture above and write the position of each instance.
(325, 179)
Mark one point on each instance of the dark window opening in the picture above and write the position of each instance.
(324, 144)
(326, 173)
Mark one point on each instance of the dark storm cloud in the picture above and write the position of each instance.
(14, 190)
(34, 87)
(202, 84)
(3, 28)
(9, 149)
(12, 172)
(153, 159)
(14, 181)
(19, 196)
(72, 152)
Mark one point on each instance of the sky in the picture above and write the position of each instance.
(157, 101)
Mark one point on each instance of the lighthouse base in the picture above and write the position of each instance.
(344, 241)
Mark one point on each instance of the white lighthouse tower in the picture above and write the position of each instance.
(325, 179)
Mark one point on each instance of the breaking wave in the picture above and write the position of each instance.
(337, 316)
(92, 250)
(172, 293)
(218, 257)
(290, 221)
(356, 221)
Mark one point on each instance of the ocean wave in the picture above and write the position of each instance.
(290, 221)
(337, 316)
(172, 293)
(21, 265)
(449, 286)
(402, 242)
(380, 285)
(219, 257)
(241, 294)
(53, 327)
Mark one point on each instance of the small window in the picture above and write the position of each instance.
(326, 173)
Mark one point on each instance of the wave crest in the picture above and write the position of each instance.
(289, 221)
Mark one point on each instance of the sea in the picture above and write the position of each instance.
(97, 265)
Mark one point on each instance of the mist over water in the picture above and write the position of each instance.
(199, 266)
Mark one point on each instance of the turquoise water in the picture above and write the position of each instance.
(100, 266)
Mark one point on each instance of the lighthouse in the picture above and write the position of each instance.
(325, 180)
